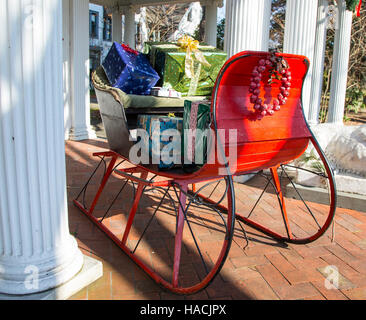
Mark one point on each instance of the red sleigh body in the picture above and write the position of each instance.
(268, 142)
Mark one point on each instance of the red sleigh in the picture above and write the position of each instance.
(268, 146)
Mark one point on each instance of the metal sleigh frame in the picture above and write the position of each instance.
(178, 185)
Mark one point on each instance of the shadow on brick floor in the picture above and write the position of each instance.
(266, 269)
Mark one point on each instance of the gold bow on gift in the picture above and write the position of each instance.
(191, 46)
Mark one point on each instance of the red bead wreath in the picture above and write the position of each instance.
(280, 70)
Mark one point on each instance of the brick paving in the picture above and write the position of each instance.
(264, 270)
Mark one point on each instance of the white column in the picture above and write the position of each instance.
(144, 32)
(80, 71)
(36, 250)
(66, 67)
(211, 21)
(340, 63)
(117, 26)
(130, 25)
(300, 37)
(247, 25)
(318, 62)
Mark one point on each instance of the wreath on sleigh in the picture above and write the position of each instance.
(279, 69)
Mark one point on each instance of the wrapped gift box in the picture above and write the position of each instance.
(155, 126)
(197, 117)
(169, 62)
(129, 71)
(165, 92)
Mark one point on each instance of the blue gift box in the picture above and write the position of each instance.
(130, 72)
(156, 127)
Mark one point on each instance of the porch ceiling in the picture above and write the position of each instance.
(114, 3)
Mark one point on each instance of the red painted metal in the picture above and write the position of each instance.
(277, 184)
(290, 239)
(174, 285)
(179, 234)
(267, 142)
(104, 181)
(262, 144)
(142, 264)
(125, 174)
(136, 202)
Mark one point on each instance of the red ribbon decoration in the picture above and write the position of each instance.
(128, 49)
(359, 8)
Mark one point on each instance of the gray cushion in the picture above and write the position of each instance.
(101, 82)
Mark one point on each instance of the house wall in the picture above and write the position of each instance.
(99, 43)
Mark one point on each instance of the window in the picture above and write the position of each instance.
(107, 29)
(95, 56)
(94, 61)
(93, 24)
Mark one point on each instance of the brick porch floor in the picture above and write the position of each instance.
(265, 269)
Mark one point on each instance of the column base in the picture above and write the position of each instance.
(90, 272)
(313, 123)
(23, 275)
(335, 122)
(82, 134)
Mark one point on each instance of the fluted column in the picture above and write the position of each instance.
(143, 29)
(211, 21)
(117, 26)
(80, 71)
(247, 25)
(36, 250)
(318, 62)
(130, 25)
(66, 67)
(301, 17)
(341, 49)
